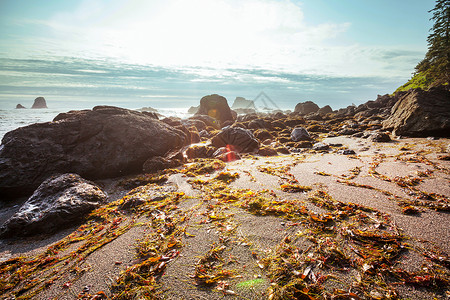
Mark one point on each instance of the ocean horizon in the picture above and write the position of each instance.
(80, 83)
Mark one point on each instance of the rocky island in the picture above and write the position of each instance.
(39, 102)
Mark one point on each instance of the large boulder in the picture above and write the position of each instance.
(300, 134)
(380, 137)
(19, 106)
(305, 108)
(59, 202)
(241, 102)
(325, 110)
(39, 102)
(101, 143)
(216, 107)
(236, 138)
(421, 113)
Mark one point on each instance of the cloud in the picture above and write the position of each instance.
(213, 35)
(252, 33)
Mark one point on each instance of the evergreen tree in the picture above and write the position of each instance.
(437, 60)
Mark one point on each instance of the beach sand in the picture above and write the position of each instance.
(213, 228)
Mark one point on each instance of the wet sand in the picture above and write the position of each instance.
(245, 239)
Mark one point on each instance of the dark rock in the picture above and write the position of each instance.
(347, 131)
(192, 130)
(239, 139)
(358, 134)
(227, 123)
(20, 106)
(380, 137)
(101, 143)
(282, 150)
(292, 122)
(195, 136)
(304, 144)
(39, 102)
(314, 117)
(209, 121)
(346, 152)
(172, 121)
(242, 103)
(349, 111)
(153, 115)
(226, 155)
(259, 123)
(305, 108)
(325, 110)
(300, 134)
(155, 164)
(316, 128)
(267, 151)
(199, 124)
(216, 107)
(374, 127)
(199, 151)
(284, 140)
(366, 113)
(279, 124)
(263, 134)
(321, 146)
(421, 113)
(233, 115)
(59, 202)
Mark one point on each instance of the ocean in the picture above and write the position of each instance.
(11, 119)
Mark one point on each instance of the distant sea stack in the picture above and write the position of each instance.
(241, 102)
(39, 102)
(20, 106)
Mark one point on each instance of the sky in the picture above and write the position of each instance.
(161, 53)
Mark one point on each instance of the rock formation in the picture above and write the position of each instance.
(20, 106)
(59, 202)
(238, 139)
(216, 107)
(193, 109)
(380, 137)
(241, 102)
(100, 143)
(199, 151)
(300, 134)
(421, 113)
(305, 108)
(39, 102)
(325, 110)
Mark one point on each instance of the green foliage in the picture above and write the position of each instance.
(436, 65)
(420, 80)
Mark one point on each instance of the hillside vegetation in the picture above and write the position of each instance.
(434, 69)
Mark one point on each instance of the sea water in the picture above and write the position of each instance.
(11, 119)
